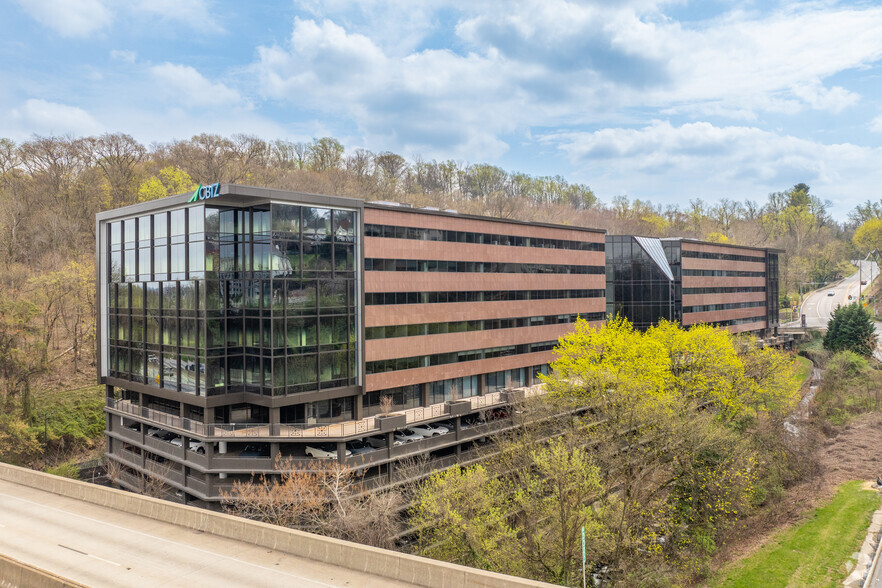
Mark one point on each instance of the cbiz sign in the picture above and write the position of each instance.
(205, 192)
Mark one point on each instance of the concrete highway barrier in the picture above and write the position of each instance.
(403, 567)
(14, 573)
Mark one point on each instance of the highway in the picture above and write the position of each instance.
(99, 546)
(819, 305)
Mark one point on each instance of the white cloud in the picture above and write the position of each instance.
(51, 118)
(71, 18)
(123, 55)
(415, 102)
(186, 87)
(712, 161)
(193, 12)
(876, 124)
(559, 62)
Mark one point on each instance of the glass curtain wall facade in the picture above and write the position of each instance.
(637, 288)
(772, 302)
(209, 300)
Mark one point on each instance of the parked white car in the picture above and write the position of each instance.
(197, 446)
(324, 451)
(430, 429)
(407, 435)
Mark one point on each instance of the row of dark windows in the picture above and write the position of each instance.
(393, 331)
(407, 363)
(726, 290)
(220, 375)
(433, 265)
(741, 321)
(233, 224)
(277, 336)
(723, 273)
(294, 297)
(422, 234)
(198, 259)
(722, 256)
(730, 306)
(376, 298)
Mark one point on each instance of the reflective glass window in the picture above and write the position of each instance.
(160, 227)
(137, 296)
(144, 264)
(188, 295)
(144, 233)
(301, 369)
(153, 296)
(178, 225)
(197, 258)
(160, 262)
(260, 222)
(316, 221)
(196, 221)
(178, 261)
(129, 233)
(130, 270)
(344, 225)
(286, 221)
(116, 274)
(212, 223)
(116, 235)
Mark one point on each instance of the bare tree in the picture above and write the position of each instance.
(118, 156)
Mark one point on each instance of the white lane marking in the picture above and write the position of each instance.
(155, 538)
(113, 563)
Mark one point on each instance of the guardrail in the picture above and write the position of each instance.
(232, 431)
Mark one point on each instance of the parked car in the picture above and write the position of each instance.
(407, 435)
(254, 450)
(324, 451)
(430, 429)
(192, 445)
(197, 446)
(379, 441)
(358, 447)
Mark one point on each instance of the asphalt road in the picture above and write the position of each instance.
(98, 546)
(819, 305)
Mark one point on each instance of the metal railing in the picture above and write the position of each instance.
(232, 431)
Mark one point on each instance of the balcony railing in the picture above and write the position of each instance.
(234, 431)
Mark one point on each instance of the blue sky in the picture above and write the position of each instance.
(659, 100)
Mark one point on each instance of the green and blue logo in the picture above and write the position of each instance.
(205, 192)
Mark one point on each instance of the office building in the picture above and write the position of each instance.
(241, 325)
(692, 282)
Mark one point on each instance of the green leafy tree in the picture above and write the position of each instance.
(851, 329)
(171, 180)
(868, 236)
(520, 514)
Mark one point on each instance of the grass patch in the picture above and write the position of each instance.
(802, 370)
(811, 554)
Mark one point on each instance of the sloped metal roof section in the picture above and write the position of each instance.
(653, 248)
